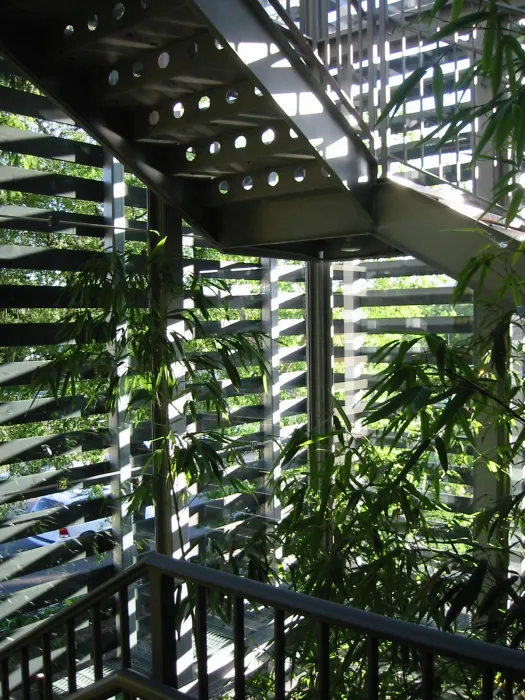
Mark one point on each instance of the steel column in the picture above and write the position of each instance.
(120, 429)
(272, 403)
(489, 487)
(171, 533)
(319, 352)
(352, 276)
(161, 220)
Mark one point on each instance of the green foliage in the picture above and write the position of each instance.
(373, 521)
(501, 66)
(120, 306)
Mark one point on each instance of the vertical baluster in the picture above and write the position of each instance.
(509, 693)
(48, 670)
(201, 643)
(372, 670)
(279, 654)
(323, 661)
(427, 665)
(5, 679)
(71, 657)
(162, 614)
(238, 648)
(26, 680)
(123, 604)
(487, 684)
(96, 635)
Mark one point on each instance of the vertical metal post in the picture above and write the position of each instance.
(310, 23)
(319, 354)
(382, 49)
(164, 650)
(171, 533)
(271, 400)
(488, 487)
(120, 429)
(371, 48)
(352, 276)
(162, 219)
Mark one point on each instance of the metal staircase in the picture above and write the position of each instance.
(232, 119)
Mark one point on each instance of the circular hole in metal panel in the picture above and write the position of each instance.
(92, 23)
(204, 103)
(247, 183)
(164, 60)
(154, 117)
(240, 142)
(224, 187)
(232, 96)
(137, 69)
(69, 30)
(178, 110)
(299, 174)
(190, 154)
(113, 77)
(268, 137)
(273, 178)
(118, 10)
(215, 148)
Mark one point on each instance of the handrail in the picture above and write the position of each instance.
(445, 644)
(306, 69)
(130, 682)
(165, 574)
(319, 65)
(106, 589)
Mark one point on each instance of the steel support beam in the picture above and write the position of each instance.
(319, 346)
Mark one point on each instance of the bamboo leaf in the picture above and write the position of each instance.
(448, 414)
(468, 593)
(442, 453)
(402, 93)
(515, 204)
(463, 23)
(388, 408)
(438, 90)
(457, 6)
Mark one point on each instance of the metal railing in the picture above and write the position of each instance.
(300, 54)
(166, 575)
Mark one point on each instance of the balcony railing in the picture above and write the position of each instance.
(166, 576)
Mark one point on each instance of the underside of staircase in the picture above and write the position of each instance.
(219, 110)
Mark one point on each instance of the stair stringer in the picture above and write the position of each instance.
(441, 236)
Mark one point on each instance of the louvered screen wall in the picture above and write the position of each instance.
(49, 168)
(51, 171)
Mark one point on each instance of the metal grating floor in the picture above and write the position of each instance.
(220, 652)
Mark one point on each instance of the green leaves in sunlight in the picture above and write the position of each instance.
(438, 88)
(142, 343)
(499, 118)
